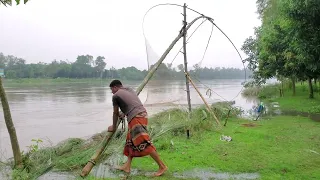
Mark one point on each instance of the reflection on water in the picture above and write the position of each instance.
(57, 112)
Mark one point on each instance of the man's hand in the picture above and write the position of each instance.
(110, 128)
(121, 115)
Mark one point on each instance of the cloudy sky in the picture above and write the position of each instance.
(44, 30)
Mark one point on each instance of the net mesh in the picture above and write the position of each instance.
(171, 76)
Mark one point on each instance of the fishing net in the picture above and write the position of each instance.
(167, 89)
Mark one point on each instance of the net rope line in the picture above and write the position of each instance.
(214, 24)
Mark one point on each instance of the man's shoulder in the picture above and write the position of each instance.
(127, 88)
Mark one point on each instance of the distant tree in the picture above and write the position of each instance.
(100, 65)
(9, 2)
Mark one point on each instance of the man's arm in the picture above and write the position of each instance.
(115, 116)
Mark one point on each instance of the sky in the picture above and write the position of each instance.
(44, 30)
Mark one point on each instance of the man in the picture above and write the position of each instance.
(138, 143)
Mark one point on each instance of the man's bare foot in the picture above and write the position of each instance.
(123, 168)
(161, 171)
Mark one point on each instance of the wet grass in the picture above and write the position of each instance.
(279, 148)
(282, 147)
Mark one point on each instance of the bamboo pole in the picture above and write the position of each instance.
(10, 126)
(86, 170)
(225, 123)
(185, 54)
(205, 102)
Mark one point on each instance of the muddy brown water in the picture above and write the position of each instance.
(54, 112)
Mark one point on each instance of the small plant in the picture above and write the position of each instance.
(35, 147)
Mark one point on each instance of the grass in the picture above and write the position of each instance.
(279, 148)
(301, 101)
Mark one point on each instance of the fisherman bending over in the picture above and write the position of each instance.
(138, 143)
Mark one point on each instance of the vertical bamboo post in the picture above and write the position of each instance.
(185, 60)
(185, 54)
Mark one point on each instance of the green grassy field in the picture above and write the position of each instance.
(300, 102)
(279, 148)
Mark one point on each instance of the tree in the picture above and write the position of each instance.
(303, 18)
(10, 126)
(100, 65)
(9, 2)
(181, 67)
(286, 44)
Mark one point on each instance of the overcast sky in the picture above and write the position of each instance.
(44, 30)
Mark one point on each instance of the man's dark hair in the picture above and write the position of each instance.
(115, 83)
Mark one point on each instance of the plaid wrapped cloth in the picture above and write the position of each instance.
(138, 141)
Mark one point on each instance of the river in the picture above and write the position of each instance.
(56, 112)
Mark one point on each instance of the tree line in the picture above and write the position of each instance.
(286, 45)
(86, 66)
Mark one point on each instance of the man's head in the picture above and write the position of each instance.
(115, 85)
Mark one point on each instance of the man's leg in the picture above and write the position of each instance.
(126, 167)
(162, 166)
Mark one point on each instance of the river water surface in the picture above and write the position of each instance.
(54, 112)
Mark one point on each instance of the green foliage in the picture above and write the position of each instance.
(18, 174)
(86, 67)
(286, 45)
(35, 147)
(9, 2)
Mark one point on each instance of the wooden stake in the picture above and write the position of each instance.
(225, 123)
(205, 102)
